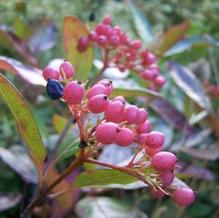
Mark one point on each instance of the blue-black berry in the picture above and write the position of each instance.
(54, 89)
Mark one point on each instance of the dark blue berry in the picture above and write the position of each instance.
(54, 89)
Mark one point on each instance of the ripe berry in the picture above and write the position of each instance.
(92, 36)
(167, 178)
(108, 85)
(106, 133)
(101, 29)
(124, 137)
(98, 103)
(50, 73)
(67, 70)
(163, 161)
(159, 81)
(119, 98)
(96, 89)
(114, 41)
(144, 127)
(131, 112)
(136, 44)
(107, 20)
(184, 196)
(54, 89)
(149, 74)
(101, 40)
(83, 44)
(74, 92)
(142, 116)
(115, 111)
(154, 139)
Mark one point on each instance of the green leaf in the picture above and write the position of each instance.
(25, 121)
(102, 178)
(73, 29)
(103, 207)
(169, 38)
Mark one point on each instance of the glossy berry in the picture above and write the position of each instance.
(167, 178)
(50, 73)
(98, 103)
(73, 92)
(163, 161)
(131, 112)
(115, 111)
(106, 133)
(54, 89)
(142, 116)
(96, 89)
(144, 127)
(155, 139)
(67, 70)
(124, 137)
(159, 81)
(83, 44)
(184, 196)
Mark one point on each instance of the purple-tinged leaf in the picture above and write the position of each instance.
(9, 200)
(190, 84)
(28, 73)
(19, 161)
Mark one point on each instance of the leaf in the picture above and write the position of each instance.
(142, 24)
(194, 41)
(9, 200)
(28, 73)
(25, 121)
(73, 29)
(44, 37)
(59, 122)
(170, 114)
(103, 207)
(101, 178)
(21, 28)
(18, 160)
(190, 84)
(169, 38)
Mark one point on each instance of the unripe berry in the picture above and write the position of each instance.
(184, 196)
(108, 85)
(74, 92)
(159, 81)
(117, 30)
(124, 137)
(114, 41)
(142, 116)
(101, 40)
(149, 74)
(107, 20)
(83, 44)
(136, 44)
(141, 138)
(96, 89)
(54, 89)
(123, 38)
(50, 73)
(106, 133)
(101, 29)
(119, 98)
(92, 36)
(131, 112)
(144, 127)
(67, 70)
(167, 178)
(150, 151)
(98, 103)
(115, 111)
(163, 161)
(155, 139)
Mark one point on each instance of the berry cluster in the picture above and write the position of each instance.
(123, 53)
(121, 123)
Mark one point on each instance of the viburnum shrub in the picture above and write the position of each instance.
(118, 122)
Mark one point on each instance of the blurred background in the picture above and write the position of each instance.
(188, 37)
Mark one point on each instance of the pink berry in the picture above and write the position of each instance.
(144, 127)
(106, 133)
(98, 103)
(167, 178)
(73, 92)
(83, 44)
(124, 137)
(115, 111)
(142, 116)
(184, 196)
(114, 41)
(107, 20)
(163, 161)
(108, 85)
(123, 38)
(67, 70)
(136, 44)
(101, 40)
(155, 139)
(151, 58)
(117, 30)
(119, 98)
(141, 138)
(159, 81)
(150, 151)
(131, 112)
(101, 29)
(50, 73)
(96, 89)
(92, 36)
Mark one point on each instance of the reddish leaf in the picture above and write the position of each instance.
(73, 29)
(28, 73)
